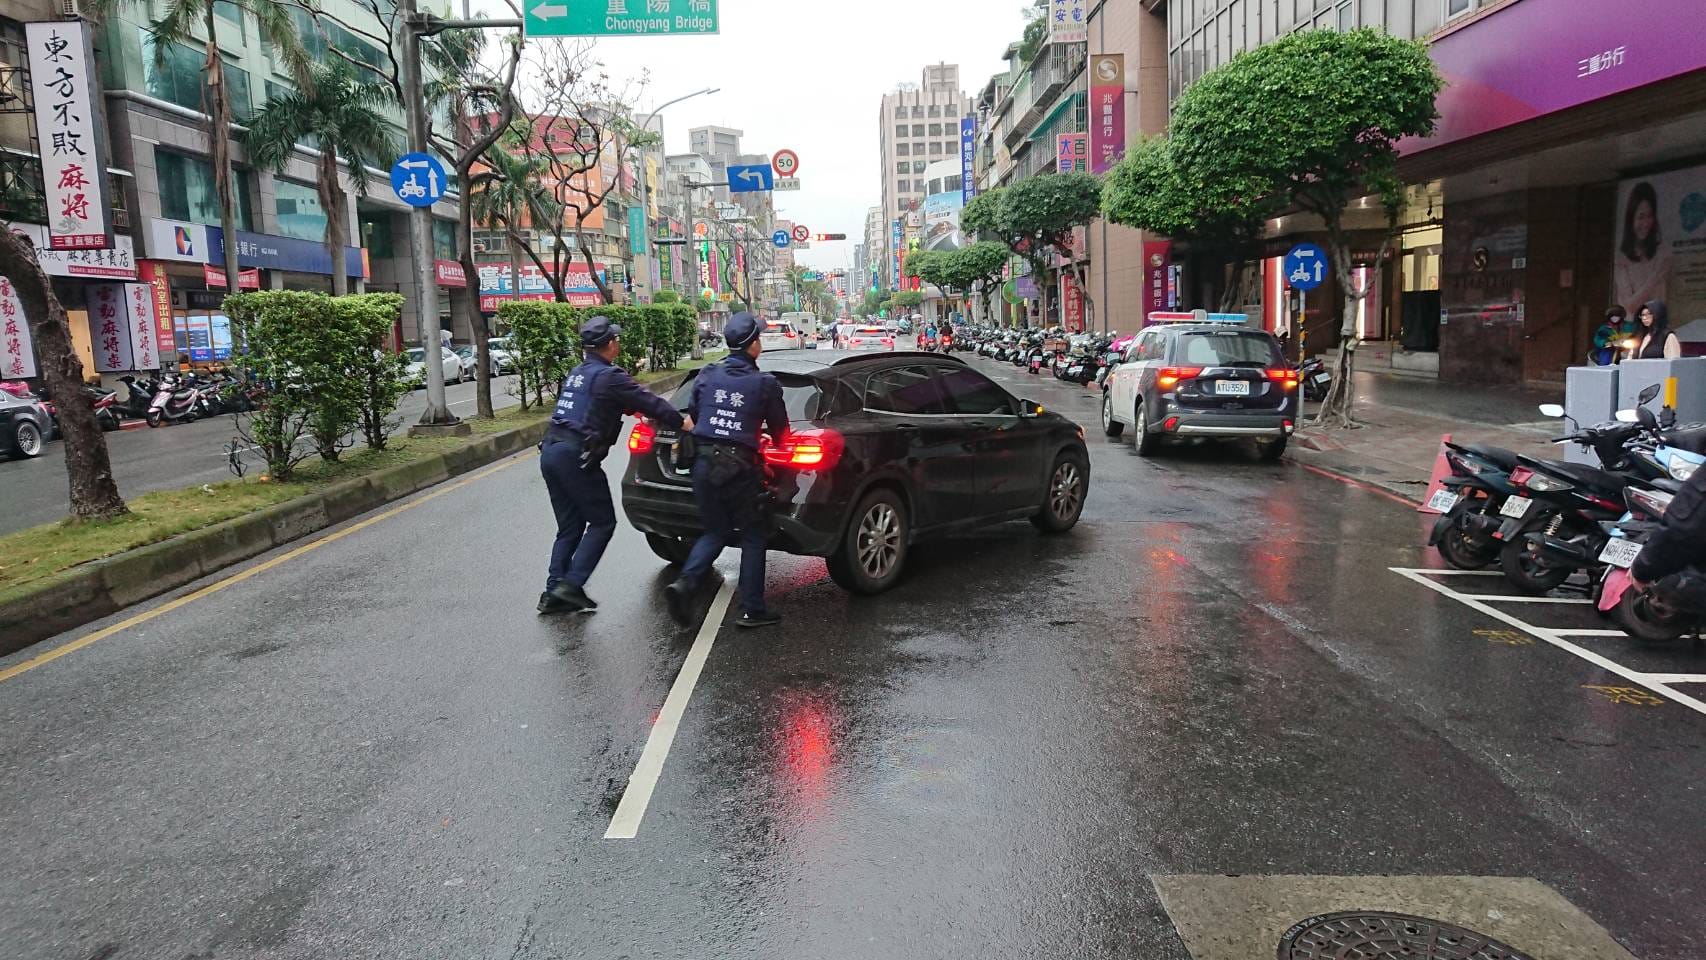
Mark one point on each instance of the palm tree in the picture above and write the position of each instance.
(337, 113)
(511, 194)
(177, 25)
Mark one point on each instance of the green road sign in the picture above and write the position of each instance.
(618, 18)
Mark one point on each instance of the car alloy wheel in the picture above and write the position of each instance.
(1066, 491)
(879, 541)
(1110, 427)
(28, 439)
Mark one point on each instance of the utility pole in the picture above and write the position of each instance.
(437, 412)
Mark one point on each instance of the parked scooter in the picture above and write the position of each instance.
(1316, 380)
(175, 401)
(1661, 612)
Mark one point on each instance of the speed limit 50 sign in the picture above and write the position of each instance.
(786, 163)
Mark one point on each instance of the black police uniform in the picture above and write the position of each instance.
(584, 426)
(1680, 541)
(732, 401)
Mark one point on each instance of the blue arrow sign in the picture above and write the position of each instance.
(1305, 266)
(418, 180)
(758, 178)
(781, 239)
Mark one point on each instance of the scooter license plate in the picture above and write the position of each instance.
(1443, 501)
(1516, 507)
(1620, 553)
(1323, 377)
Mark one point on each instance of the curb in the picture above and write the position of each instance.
(90, 591)
(1304, 457)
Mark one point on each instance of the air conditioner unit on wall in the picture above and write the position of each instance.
(69, 8)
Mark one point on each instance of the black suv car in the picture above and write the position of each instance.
(1214, 381)
(885, 450)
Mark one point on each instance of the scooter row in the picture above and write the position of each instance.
(1547, 521)
(175, 398)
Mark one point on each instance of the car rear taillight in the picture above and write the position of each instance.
(1170, 424)
(642, 438)
(1168, 377)
(888, 341)
(804, 450)
(1286, 377)
(1520, 476)
(788, 333)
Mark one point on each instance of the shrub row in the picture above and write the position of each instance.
(545, 339)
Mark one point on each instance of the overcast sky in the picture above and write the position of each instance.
(810, 75)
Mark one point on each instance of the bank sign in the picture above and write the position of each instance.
(619, 18)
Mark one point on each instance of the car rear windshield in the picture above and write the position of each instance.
(1230, 348)
(870, 332)
(803, 397)
(777, 326)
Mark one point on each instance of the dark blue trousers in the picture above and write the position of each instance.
(731, 516)
(586, 517)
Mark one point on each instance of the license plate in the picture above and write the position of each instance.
(1232, 388)
(1516, 507)
(1442, 501)
(1620, 552)
(1323, 377)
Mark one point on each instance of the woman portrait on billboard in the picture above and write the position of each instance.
(1643, 264)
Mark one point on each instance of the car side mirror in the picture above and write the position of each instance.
(1552, 410)
(1030, 408)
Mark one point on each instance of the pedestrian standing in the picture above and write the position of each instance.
(732, 402)
(1653, 327)
(584, 426)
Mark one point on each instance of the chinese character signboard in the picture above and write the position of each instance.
(109, 329)
(1107, 111)
(143, 328)
(968, 158)
(117, 262)
(1072, 152)
(496, 286)
(449, 274)
(160, 288)
(1068, 21)
(1157, 268)
(17, 358)
(73, 139)
(894, 248)
(1071, 304)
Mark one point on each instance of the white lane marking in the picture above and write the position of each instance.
(626, 823)
(1589, 633)
(1458, 573)
(1556, 639)
(1497, 599)
(1677, 677)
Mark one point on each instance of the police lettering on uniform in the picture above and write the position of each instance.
(732, 402)
(584, 426)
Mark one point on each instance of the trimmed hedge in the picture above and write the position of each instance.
(546, 339)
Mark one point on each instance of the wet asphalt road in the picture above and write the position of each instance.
(164, 458)
(376, 749)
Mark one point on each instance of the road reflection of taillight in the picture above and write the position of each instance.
(643, 436)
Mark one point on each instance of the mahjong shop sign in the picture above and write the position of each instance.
(619, 18)
(73, 141)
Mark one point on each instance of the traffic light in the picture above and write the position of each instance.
(830, 236)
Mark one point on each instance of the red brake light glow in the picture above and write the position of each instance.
(1170, 424)
(1520, 476)
(806, 450)
(1168, 377)
(1285, 376)
(643, 437)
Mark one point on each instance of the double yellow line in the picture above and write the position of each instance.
(236, 578)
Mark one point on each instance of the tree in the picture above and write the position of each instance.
(980, 267)
(873, 302)
(338, 113)
(88, 469)
(1316, 116)
(1222, 212)
(1036, 218)
(177, 25)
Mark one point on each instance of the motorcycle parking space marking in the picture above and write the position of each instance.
(1653, 682)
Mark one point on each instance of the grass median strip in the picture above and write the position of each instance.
(33, 555)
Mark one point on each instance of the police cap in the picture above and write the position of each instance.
(742, 329)
(599, 331)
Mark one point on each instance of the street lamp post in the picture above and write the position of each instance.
(645, 202)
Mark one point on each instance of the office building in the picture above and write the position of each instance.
(919, 124)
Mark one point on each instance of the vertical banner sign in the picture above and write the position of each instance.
(1068, 21)
(894, 244)
(637, 230)
(73, 141)
(1157, 267)
(154, 274)
(705, 265)
(109, 328)
(139, 319)
(1072, 304)
(17, 357)
(1072, 153)
(968, 158)
(1107, 111)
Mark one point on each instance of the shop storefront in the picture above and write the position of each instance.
(113, 328)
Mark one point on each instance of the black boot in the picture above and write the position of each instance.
(573, 598)
(763, 618)
(678, 597)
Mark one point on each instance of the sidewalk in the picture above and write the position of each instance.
(1402, 420)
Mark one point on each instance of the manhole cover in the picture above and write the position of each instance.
(1367, 935)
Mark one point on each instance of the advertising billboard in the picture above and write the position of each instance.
(1660, 243)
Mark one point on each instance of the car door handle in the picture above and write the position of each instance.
(906, 428)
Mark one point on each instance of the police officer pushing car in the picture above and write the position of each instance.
(732, 401)
(595, 397)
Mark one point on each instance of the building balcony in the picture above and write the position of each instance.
(1034, 96)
